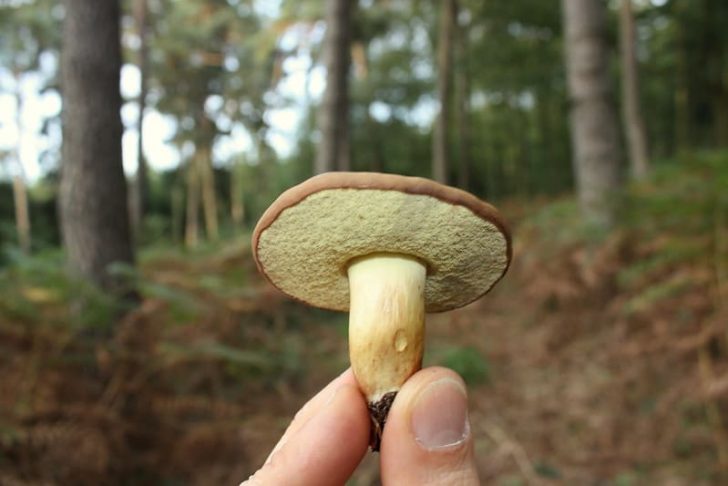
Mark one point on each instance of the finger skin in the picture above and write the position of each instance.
(326, 445)
(314, 405)
(404, 460)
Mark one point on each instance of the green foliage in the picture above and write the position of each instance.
(205, 350)
(685, 199)
(626, 479)
(43, 216)
(655, 293)
(183, 307)
(556, 226)
(38, 291)
(212, 64)
(215, 66)
(512, 480)
(467, 361)
(27, 29)
(546, 470)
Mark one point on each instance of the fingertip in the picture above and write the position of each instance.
(431, 393)
(427, 439)
(355, 414)
(347, 378)
(327, 448)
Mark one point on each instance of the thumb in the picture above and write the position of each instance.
(427, 439)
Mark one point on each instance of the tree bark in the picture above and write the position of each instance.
(462, 95)
(177, 198)
(720, 111)
(237, 202)
(595, 141)
(634, 125)
(93, 193)
(333, 117)
(378, 157)
(140, 190)
(22, 215)
(682, 98)
(192, 225)
(209, 198)
(440, 162)
(20, 191)
(715, 52)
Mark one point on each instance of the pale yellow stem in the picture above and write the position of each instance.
(386, 321)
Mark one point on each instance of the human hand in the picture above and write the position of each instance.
(426, 441)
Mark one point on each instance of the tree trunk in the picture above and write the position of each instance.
(140, 190)
(237, 202)
(546, 172)
(209, 198)
(192, 228)
(682, 101)
(177, 197)
(720, 111)
(20, 192)
(333, 117)
(22, 216)
(522, 151)
(440, 162)
(714, 13)
(93, 192)
(378, 157)
(462, 95)
(595, 141)
(634, 125)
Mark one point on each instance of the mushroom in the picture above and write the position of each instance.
(387, 248)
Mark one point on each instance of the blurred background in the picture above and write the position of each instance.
(141, 140)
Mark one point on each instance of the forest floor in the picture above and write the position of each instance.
(598, 360)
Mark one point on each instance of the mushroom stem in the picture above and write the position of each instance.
(386, 328)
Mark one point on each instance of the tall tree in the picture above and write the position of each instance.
(594, 133)
(209, 195)
(634, 125)
(440, 162)
(214, 80)
(682, 98)
(93, 192)
(462, 96)
(237, 200)
(714, 57)
(20, 190)
(22, 212)
(192, 231)
(26, 32)
(333, 117)
(140, 190)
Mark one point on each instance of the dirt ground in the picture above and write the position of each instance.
(579, 370)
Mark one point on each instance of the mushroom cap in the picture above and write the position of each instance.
(306, 239)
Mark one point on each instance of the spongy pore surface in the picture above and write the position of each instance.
(306, 248)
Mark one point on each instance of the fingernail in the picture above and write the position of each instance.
(440, 415)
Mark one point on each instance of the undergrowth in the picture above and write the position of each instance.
(635, 321)
(605, 359)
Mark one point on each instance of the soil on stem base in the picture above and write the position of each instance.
(378, 412)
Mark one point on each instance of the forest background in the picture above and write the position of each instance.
(141, 140)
